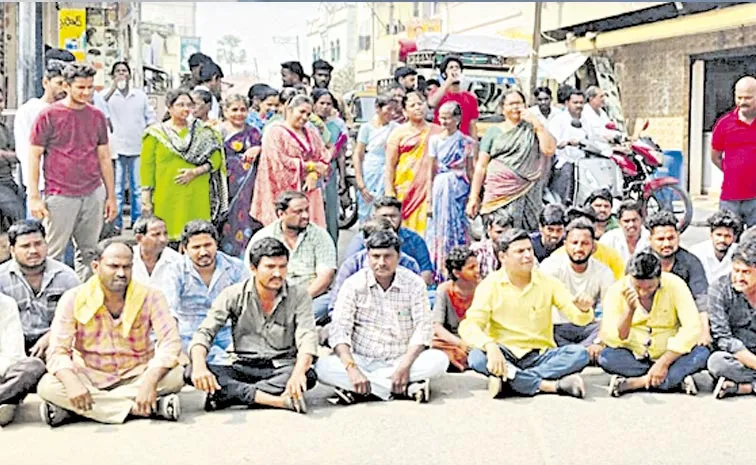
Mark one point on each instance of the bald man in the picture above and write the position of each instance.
(733, 150)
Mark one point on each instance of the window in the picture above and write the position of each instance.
(338, 50)
(364, 43)
(333, 52)
(415, 9)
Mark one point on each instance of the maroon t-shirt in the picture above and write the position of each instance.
(467, 103)
(737, 140)
(70, 138)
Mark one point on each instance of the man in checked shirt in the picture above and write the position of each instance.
(381, 330)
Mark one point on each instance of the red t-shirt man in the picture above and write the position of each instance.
(450, 91)
(737, 140)
(70, 137)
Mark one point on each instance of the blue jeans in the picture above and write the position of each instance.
(622, 362)
(525, 374)
(320, 306)
(746, 209)
(332, 205)
(127, 170)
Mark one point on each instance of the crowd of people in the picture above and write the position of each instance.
(234, 286)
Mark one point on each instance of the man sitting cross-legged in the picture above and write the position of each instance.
(509, 324)
(733, 325)
(274, 339)
(102, 362)
(651, 327)
(586, 278)
(381, 331)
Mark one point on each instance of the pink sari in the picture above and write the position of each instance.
(282, 168)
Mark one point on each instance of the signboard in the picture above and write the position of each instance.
(189, 46)
(72, 26)
(417, 28)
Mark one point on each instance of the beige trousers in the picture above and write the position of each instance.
(110, 405)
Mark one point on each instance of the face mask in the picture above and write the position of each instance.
(121, 85)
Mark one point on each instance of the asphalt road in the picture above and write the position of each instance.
(461, 425)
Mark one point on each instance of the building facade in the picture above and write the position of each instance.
(332, 35)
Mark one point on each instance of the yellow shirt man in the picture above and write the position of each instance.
(672, 324)
(519, 320)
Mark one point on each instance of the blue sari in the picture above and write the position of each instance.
(374, 163)
(449, 226)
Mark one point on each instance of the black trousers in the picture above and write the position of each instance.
(240, 381)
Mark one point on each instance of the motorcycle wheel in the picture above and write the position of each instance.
(674, 199)
(348, 212)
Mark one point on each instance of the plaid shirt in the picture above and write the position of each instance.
(98, 348)
(486, 254)
(37, 309)
(379, 324)
(733, 320)
(313, 253)
(190, 299)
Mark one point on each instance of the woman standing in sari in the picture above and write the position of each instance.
(183, 171)
(453, 298)
(293, 158)
(512, 165)
(407, 174)
(241, 143)
(450, 173)
(334, 139)
(369, 157)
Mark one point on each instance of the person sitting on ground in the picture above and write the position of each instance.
(412, 243)
(35, 282)
(152, 259)
(651, 326)
(192, 284)
(586, 278)
(496, 223)
(631, 235)
(453, 298)
(550, 234)
(312, 261)
(509, 325)
(715, 254)
(733, 326)
(102, 362)
(601, 202)
(274, 340)
(358, 261)
(665, 242)
(381, 331)
(19, 374)
(601, 252)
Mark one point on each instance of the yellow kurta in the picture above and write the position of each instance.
(672, 324)
(519, 320)
(176, 204)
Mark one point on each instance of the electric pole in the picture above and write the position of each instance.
(534, 56)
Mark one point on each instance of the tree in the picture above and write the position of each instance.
(230, 52)
(342, 80)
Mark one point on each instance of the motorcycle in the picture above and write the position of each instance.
(348, 212)
(627, 168)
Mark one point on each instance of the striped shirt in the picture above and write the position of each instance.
(99, 349)
(378, 324)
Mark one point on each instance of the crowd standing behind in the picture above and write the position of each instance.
(234, 285)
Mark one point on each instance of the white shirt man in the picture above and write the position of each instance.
(713, 266)
(130, 115)
(566, 134)
(155, 279)
(616, 239)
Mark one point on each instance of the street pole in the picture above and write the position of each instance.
(536, 46)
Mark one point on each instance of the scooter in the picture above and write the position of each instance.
(627, 167)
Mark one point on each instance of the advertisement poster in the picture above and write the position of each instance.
(71, 31)
(101, 42)
(189, 46)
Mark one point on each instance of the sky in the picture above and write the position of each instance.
(257, 23)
